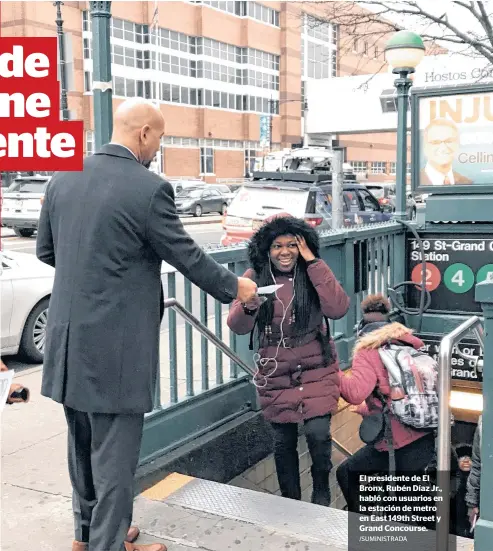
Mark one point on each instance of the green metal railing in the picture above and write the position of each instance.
(193, 395)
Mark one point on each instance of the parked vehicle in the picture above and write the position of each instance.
(386, 196)
(226, 191)
(26, 285)
(21, 204)
(201, 200)
(180, 184)
(272, 162)
(301, 195)
(314, 160)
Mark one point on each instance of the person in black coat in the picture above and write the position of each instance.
(107, 230)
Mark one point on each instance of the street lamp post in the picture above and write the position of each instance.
(61, 53)
(403, 53)
(102, 86)
(272, 103)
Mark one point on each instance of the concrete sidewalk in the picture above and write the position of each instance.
(36, 494)
(36, 490)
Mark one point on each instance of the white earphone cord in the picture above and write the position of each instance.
(262, 362)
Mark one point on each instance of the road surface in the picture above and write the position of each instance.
(202, 233)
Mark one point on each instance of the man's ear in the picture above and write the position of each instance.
(144, 132)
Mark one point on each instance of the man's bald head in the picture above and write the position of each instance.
(139, 125)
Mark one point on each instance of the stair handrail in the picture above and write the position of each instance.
(473, 324)
(224, 348)
(207, 333)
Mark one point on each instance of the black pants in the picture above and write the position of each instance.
(318, 437)
(411, 459)
(103, 452)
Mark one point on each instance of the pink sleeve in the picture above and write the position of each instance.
(239, 322)
(334, 301)
(358, 383)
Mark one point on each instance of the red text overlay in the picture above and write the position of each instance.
(32, 137)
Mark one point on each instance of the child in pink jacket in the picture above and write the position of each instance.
(413, 449)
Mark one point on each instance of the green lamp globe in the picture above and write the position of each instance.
(404, 50)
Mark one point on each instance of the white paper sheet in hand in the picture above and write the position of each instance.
(5, 382)
(269, 289)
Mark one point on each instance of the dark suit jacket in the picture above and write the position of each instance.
(107, 230)
(459, 179)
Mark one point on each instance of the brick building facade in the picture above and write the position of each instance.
(219, 70)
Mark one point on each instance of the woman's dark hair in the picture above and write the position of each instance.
(305, 294)
(375, 304)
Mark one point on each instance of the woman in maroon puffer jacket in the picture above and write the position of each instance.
(298, 372)
(414, 449)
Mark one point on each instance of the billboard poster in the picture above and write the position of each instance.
(453, 144)
(264, 131)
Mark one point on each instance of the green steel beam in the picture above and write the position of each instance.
(102, 85)
(403, 85)
(483, 533)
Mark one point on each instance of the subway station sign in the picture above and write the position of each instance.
(454, 265)
(461, 369)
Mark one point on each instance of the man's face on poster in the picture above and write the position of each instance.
(441, 145)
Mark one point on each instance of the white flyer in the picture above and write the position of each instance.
(269, 289)
(6, 378)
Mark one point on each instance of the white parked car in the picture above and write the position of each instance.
(21, 204)
(26, 285)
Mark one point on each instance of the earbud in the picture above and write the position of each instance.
(262, 362)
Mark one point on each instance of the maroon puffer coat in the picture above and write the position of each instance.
(301, 387)
(368, 373)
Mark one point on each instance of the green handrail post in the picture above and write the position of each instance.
(483, 533)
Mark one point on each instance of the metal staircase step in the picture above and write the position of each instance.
(299, 521)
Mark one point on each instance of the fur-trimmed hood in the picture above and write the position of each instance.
(281, 224)
(382, 335)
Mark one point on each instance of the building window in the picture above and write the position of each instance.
(319, 60)
(207, 160)
(262, 13)
(365, 48)
(393, 168)
(89, 142)
(318, 49)
(355, 45)
(87, 48)
(335, 34)
(359, 167)
(378, 167)
(319, 29)
(86, 21)
(87, 81)
(377, 52)
(250, 155)
(261, 59)
(333, 63)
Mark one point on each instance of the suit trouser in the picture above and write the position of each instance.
(103, 452)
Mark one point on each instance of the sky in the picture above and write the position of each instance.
(457, 15)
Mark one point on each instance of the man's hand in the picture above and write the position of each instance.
(255, 303)
(247, 289)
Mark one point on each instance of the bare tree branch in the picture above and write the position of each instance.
(362, 19)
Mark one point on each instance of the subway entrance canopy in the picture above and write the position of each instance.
(368, 103)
